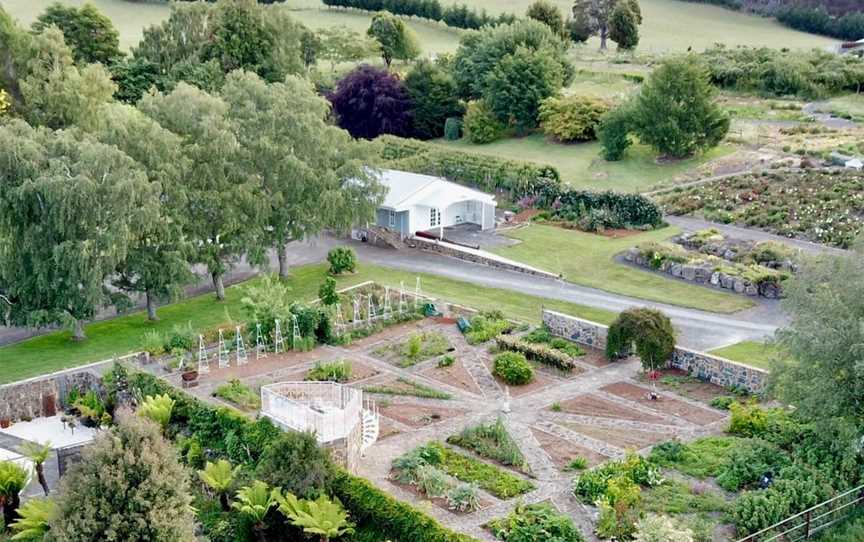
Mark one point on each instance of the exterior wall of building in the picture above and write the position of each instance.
(46, 395)
(399, 224)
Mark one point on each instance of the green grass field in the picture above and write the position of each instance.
(581, 165)
(752, 353)
(118, 336)
(673, 26)
(587, 259)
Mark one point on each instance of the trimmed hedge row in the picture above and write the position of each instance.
(538, 352)
(487, 173)
(629, 209)
(371, 506)
(458, 16)
(242, 440)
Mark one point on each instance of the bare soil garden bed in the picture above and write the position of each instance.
(455, 375)
(665, 404)
(624, 438)
(594, 405)
(417, 416)
(562, 451)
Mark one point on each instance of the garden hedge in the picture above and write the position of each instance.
(518, 179)
(538, 352)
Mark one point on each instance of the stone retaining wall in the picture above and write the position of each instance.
(705, 273)
(576, 329)
(721, 371)
(46, 395)
(714, 369)
(473, 257)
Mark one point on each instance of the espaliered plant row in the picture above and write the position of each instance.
(242, 441)
(539, 352)
(485, 172)
(530, 183)
(456, 15)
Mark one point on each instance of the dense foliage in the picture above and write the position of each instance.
(675, 112)
(395, 39)
(492, 441)
(432, 91)
(781, 72)
(539, 522)
(456, 15)
(513, 368)
(593, 211)
(572, 118)
(547, 13)
(480, 124)
(369, 101)
(821, 206)
(537, 351)
(496, 61)
(90, 34)
(648, 331)
(598, 17)
(128, 486)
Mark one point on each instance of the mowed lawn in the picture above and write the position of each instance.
(581, 165)
(588, 259)
(752, 353)
(132, 17)
(674, 25)
(122, 335)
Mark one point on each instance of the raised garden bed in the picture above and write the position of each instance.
(419, 346)
(491, 441)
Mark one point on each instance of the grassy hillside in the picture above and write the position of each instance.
(670, 25)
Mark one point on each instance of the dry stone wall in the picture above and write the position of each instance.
(45, 395)
(720, 371)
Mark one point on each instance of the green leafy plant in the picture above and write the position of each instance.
(649, 330)
(619, 509)
(572, 118)
(13, 479)
(446, 361)
(34, 518)
(593, 484)
(538, 522)
(342, 260)
(157, 408)
(486, 326)
(334, 371)
(655, 528)
(463, 498)
(513, 368)
(577, 463)
(491, 440)
(323, 517)
(240, 394)
(480, 124)
(561, 359)
(431, 481)
(254, 502)
(723, 402)
(556, 407)
(219, 477)
(38, 454)
(327, 292)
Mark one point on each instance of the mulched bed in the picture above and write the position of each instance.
(665, 404)
(624, 438)
(455, 375)
(562, 451)
(417, 416)
(594, 405)
(687, 385)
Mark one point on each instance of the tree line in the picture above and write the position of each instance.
(456, 15)
(104, 199)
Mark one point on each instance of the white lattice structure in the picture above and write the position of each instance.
(334, 412)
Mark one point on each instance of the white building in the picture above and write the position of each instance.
(417, 202)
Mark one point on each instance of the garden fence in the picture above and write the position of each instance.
(806, 524)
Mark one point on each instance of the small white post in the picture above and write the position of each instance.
(260, 347)
(224, 361)
(203, 361)
(242, 358)
(278, 339)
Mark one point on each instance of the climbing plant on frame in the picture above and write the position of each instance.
(648, 331)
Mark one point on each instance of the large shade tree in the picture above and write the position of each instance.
(156, 265)
(394, 37)
(223, 216)
(433, 98)
(822, 370)
(70, 208)
(313, 175)
(128, 486)
(595, 16)
(90, 34)
(370, 101)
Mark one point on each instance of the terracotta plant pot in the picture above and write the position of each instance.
(189, 376)
(4, 423)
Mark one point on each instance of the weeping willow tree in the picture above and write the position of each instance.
(646, 331)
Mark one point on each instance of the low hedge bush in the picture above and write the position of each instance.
(539, 522)
(593, 484)
(572, 118)
(480, 124)
(538, 352)
(513, 368)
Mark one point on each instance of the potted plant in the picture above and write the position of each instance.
(5, 423)
(188, 373)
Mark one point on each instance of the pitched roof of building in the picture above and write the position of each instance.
(405, 190)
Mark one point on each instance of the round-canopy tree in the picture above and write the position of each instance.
(90, 34)
(370, 101)
(649, 331)
(395, 38)
(128, 486)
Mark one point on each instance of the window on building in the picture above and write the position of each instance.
(434, 217)
(392, 219)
